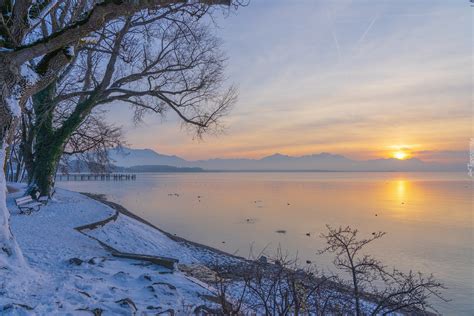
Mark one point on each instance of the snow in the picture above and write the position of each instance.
(28, 73)
(98, 280)
(13, 104)
(129, 235)
(7, 242)
(3, 187)
(36, 21)
(70, 271)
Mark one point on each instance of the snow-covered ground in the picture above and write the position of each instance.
(72, 269)
(72, 273)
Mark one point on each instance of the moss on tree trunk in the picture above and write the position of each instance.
(50, 142)
(47, 156)
(45, 148)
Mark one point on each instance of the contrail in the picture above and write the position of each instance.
(368, 29)
(334, 36)
(337, 44)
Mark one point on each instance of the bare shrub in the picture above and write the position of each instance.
(376, 289)
(279, 286)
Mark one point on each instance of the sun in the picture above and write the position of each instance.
(400, 155)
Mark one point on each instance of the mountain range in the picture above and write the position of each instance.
(128, 157)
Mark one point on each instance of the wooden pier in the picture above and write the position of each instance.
(96, 177)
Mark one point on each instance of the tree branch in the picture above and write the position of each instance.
(100, 14)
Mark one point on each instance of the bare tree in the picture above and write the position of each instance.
(275, 286)
(15, 162)
(278, 285)
(91, 143)
(29, 37)
(154, 62)
(395, 292)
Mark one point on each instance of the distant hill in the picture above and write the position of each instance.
(76, 166)
(128, 157)
(279, 162)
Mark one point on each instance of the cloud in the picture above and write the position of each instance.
(372, 75)
(451, 156)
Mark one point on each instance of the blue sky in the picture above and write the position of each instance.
(358, 78)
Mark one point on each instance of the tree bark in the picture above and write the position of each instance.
(11, 257)
(48, 154)
(100, 14)
(42, 170)
(13, 85)
(49, 145)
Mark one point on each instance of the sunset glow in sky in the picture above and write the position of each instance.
(365, 79)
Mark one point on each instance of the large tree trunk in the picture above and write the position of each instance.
(50, 142)
(26, 146)
(11, 257)
(47, 156)
(47, 148)
(11, 88)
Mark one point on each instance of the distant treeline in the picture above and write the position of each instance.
(77, 166)
(157, 168)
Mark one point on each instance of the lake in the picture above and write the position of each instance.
(428, 217)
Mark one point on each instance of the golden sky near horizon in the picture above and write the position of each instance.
(363, 79)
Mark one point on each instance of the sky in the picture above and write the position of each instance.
(364, 79)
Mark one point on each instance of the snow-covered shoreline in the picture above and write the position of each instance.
(75, 274)
(71, 247)
(207, 254)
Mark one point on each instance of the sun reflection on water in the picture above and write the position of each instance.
(401, 190)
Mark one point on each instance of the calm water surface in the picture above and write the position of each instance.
(428, 217)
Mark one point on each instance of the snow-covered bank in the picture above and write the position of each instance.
(75, 244)
(75, 273)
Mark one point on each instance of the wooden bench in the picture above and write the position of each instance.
(43, 199)
(26, 205)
